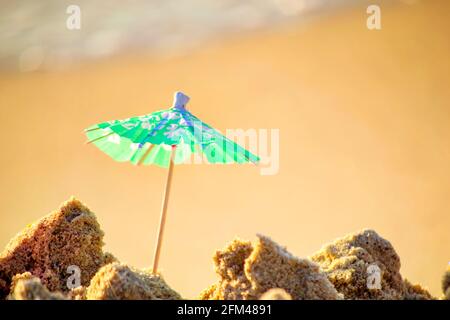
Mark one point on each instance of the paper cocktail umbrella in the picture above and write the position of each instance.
(165, 138)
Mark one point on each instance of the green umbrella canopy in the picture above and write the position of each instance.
(149, 139)
(165, 138)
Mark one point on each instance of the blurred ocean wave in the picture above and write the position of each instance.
(34, 33)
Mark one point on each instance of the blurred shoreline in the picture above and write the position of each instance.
(36, 37)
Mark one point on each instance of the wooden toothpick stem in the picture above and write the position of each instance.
(147, 152)
(162, 220)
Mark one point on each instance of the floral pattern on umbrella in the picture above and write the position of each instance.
(148, 139)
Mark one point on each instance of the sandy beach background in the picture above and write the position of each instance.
(364, 120)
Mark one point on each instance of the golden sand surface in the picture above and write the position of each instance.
(117, 281)
(37, 265)
(25, 286)
(364, 143)
(247, 272)
(65, 238)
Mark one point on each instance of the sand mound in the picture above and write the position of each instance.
(275, 294)
(120, 282)
(112, 282)
(415, 292)
(246, 272)
(355, 260)
(78, 293)
(27, 287)
(35, 266)
(446, 283)
(70, 236)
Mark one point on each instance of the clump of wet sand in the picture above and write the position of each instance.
(275, 294)
(25, 286)
(347, 262)
(247, 271)
(117, 281)
(446, 284)
(34, 264)
(69, 236)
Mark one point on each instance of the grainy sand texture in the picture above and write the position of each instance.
(34, 267)
(69, 236)
(247, 271)
(120, 282)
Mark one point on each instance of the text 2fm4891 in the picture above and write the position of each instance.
(233, 309)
